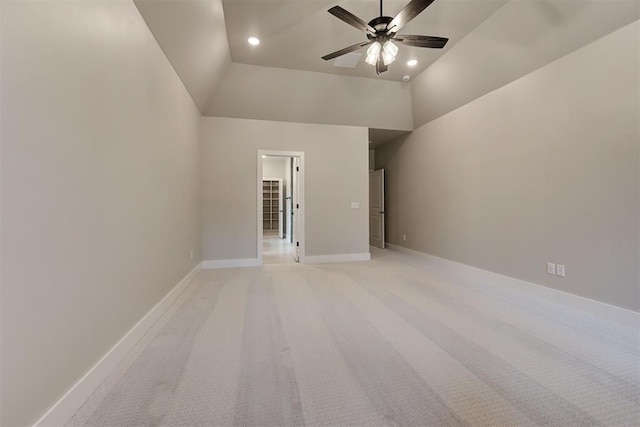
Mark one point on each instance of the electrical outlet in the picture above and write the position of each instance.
(551, 268)
(404, 237)
(560, 270)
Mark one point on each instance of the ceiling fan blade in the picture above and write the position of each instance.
(346, 50)
(351, 19)
(422, 41)
(409, 12)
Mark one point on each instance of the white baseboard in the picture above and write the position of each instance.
(323, 259)
(62, 411)
(596, 308)
(230, 263)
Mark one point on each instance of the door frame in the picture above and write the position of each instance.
(381, 214)
(301, 234)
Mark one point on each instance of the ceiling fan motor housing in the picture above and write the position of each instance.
(380, 25)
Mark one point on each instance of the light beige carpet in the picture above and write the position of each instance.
(385, 342)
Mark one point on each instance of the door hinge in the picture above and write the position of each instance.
(297, 244)
(297, 168)
(297, 206)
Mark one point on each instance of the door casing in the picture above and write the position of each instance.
(300, 211)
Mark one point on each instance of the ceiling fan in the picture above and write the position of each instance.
(382, 30)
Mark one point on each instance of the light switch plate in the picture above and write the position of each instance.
(355, 205)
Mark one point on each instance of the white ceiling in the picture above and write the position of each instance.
(295, 34)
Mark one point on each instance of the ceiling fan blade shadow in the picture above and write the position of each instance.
(409, 12)
(346, 50)
(351, 19)
(422, 41)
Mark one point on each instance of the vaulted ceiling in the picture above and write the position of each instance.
(492, 42)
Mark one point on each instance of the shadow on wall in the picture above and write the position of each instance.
(387, 151)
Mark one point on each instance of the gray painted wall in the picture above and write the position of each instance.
(545, 169)
(100, 190)
(336, 173)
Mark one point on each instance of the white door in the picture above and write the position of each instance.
(295, 207)
(376, 208)
(280, 209)
(288, 201)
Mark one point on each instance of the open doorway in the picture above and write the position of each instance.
(280, 207)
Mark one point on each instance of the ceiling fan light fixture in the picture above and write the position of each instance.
(381, 30)
(389, 52)
(372, 53)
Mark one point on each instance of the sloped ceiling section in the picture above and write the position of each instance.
(279, 94)
(193, 36)
(519, 38)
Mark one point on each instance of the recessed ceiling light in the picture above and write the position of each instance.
(253, 41)
(412, 62)
(264, 157)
